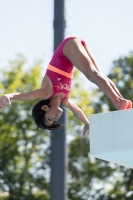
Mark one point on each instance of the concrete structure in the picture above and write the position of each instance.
(111, 137)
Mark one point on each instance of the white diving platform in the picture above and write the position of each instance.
(111, 137)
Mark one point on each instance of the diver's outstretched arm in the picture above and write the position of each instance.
(78, 113)
(35, 94)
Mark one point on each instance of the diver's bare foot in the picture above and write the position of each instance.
(129, 105)
(122, 104)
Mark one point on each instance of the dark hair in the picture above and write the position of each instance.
(38, 115)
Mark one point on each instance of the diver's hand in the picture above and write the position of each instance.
(85, 130)
(4, 101)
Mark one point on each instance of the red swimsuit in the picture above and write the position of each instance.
(60, 70)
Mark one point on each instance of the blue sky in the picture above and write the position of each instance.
(26, 26)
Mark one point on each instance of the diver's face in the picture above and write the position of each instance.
(52, 114)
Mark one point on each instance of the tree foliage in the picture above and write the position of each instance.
(25, 152)
(91, 178)
(122, 75)
(22, 147)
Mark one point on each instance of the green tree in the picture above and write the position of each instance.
(122, 75)
(23, 167)
(24, 152)
(91, 178)
(84, 171)
(88, 177)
